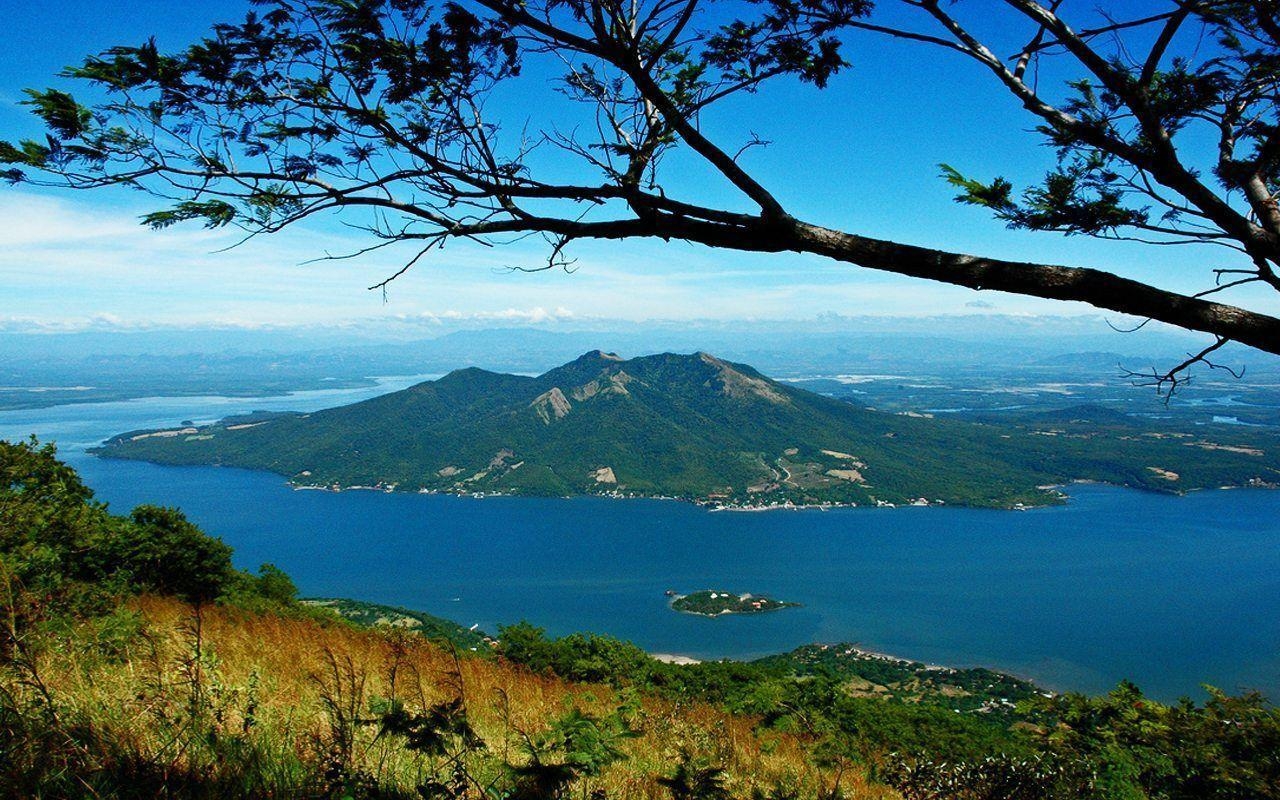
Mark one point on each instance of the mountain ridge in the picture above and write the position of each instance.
(691, 426)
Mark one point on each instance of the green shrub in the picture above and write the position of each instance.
(62, 552)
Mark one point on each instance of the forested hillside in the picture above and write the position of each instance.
(697, 427)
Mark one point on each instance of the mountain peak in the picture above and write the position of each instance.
(736, 383)
(598, 355)
(582, 369)
(465, 373)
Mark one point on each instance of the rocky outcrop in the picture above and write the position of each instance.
(606, 384)
(738, 385)
(551, 405)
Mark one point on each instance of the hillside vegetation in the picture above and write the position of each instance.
(208, 682)
(137, 662)
(694, 427)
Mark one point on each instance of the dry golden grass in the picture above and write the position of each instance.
(295, 686)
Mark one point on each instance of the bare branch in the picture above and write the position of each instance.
(1167, 383)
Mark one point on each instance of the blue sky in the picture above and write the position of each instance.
(861, 156)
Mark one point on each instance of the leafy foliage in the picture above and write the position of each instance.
(162, 552)
(580, 657)
(696, 780)
(932, 744)
(1071, 200)
(305, 106)
(1228, 748)
(63, 552)
(1127, 132)
(793, 692)
(440, 729)
(577, 745)
(429, 626)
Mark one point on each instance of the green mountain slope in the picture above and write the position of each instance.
(690, 426)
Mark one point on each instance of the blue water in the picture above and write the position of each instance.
(1169, 592)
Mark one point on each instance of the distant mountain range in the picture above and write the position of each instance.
(694, 427)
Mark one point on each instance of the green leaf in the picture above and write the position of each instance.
(59, 110)
(215, 214)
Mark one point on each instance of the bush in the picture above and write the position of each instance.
(62, 552)
(162, 552)
(275, 585)
(577, 657)
(1226, 749)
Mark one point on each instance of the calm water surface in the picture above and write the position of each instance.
(1169, 592)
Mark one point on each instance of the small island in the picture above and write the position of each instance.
(710, 603)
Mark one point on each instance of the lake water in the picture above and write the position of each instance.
(1169, 592)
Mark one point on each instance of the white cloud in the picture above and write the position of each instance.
(71, 260)
(34, 221)
(529, 316)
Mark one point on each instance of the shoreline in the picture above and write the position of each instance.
(1060, 498)
(675, 658)
(857, 651)
(842, 648)
(707, 504)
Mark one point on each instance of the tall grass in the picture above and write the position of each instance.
(162, 699)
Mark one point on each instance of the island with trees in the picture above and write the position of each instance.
(715, 603)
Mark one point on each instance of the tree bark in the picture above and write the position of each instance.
(1095, 287)
(1104, 290)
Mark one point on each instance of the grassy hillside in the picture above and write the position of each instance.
(695, 427)
(291, 707)
(136, 662)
